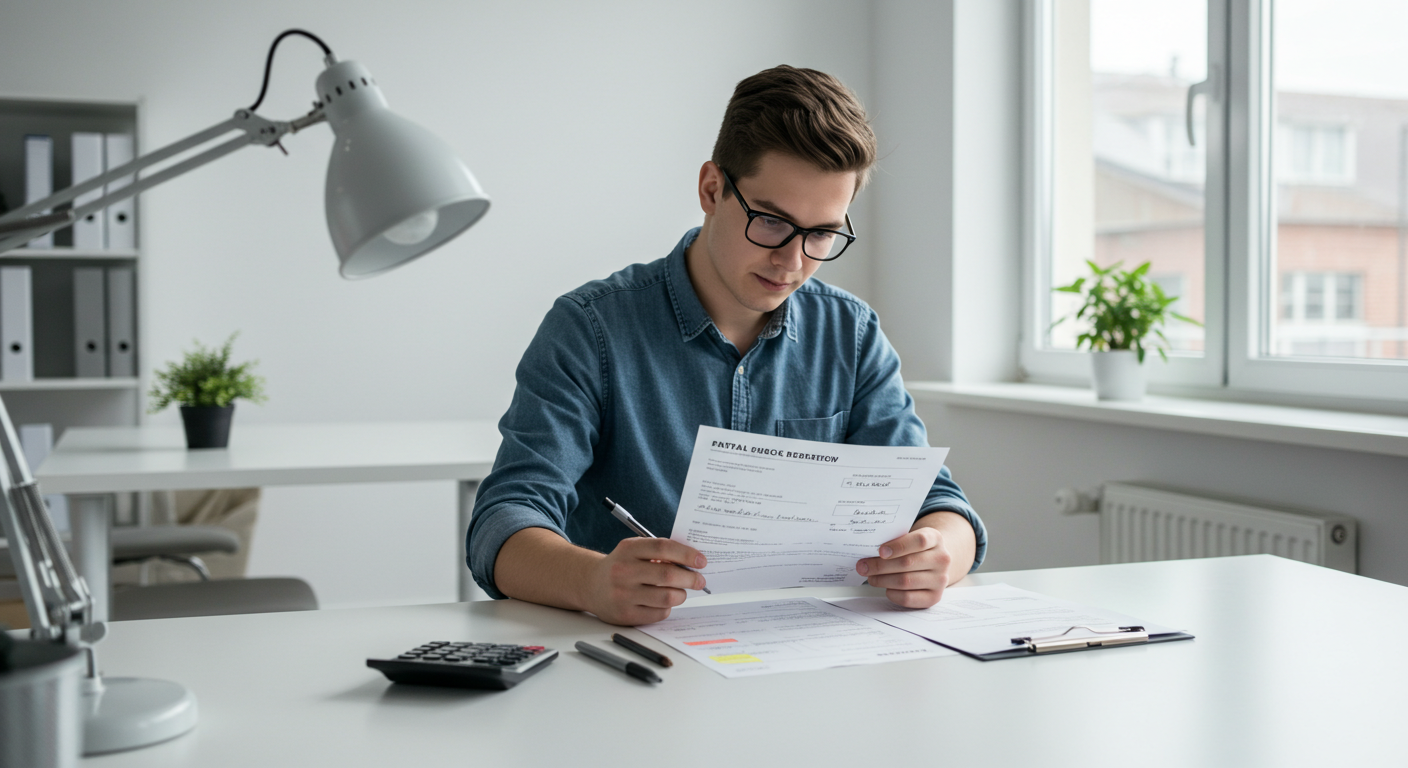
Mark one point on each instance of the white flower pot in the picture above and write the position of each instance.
(1118, 375)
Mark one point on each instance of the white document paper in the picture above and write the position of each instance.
(773, 512)
(982, 620)
(787, 635)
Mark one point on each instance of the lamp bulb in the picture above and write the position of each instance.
(414, 229)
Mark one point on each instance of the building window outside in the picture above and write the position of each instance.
(1322, 315)
(1314, 154)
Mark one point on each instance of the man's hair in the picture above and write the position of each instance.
(804, 113)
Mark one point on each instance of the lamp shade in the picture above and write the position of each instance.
(394, 190)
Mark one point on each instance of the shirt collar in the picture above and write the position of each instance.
(690, 312)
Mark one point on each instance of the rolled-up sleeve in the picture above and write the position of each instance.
(549, 434)
(883, 414)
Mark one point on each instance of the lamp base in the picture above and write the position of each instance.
(132, 712)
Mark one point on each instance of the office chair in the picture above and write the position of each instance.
(185, 544)
(189, 546)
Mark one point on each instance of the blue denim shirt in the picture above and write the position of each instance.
(622, 372)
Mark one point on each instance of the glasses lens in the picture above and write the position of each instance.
(768, 231)
(824, 245)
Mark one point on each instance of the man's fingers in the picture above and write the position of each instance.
(915, 598)
(914, 541)
(665, 549)
(659, 597)
(670, 575)
(873, 566)
(909, 580)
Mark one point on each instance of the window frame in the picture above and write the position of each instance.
(1240, 234)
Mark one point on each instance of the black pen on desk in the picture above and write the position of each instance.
(637, 648)
(620, 513)
(631, 668)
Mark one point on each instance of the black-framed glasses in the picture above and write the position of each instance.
(769, 231)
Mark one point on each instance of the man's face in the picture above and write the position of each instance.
(757, 278)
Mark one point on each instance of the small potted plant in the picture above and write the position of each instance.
(1125, 313)
(206, 386)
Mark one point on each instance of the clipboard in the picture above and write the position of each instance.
(1058, 643)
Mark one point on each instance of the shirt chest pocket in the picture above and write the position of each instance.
(831, 429)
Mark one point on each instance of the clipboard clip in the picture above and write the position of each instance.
(1059, 641)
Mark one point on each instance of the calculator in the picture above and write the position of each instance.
(466, 665)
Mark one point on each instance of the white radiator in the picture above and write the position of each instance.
(1139, 523)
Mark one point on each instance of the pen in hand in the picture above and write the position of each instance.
(620, 513)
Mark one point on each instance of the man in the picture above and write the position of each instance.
(728, 330)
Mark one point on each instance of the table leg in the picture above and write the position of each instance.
(90, 516)
(467, 589)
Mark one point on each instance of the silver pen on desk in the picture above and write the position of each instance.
(619, 512)
(638, 671)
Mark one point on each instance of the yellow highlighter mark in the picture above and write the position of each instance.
(736, 658)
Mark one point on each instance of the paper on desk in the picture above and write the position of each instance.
(774, 512)
(982, 620)
(785, 635)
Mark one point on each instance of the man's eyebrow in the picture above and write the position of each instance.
(777, 209)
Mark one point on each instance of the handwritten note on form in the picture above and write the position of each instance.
(774, 512)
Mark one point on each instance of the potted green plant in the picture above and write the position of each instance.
(1125, 314)
(206, 386)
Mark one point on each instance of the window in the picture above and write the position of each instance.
(1128, 183)
(1313, 154)
(1281, 222)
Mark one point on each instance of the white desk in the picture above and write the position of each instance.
(91, 463)
(1292, 665)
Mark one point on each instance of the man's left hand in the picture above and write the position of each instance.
(915, 568)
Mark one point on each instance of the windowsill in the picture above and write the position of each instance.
(1369, 433)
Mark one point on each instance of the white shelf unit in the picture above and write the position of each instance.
(61, 385)
(66, 252)
(56, 395)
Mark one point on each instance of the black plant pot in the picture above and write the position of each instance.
(207, 426)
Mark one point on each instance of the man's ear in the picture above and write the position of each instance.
(711, 187)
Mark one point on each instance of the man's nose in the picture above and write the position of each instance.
(789, 257)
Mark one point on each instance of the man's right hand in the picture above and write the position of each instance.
(638, 583)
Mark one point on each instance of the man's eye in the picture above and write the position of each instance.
(772, 222)
(821, 238)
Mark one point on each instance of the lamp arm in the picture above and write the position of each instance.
(21, 225)
(56, 597)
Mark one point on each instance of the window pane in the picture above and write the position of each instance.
(1128, 186)
(1340, 74)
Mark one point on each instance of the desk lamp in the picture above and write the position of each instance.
(394, 192)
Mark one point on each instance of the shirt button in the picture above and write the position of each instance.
(740, 370)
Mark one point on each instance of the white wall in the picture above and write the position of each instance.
(586, 123)
(947, 196)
